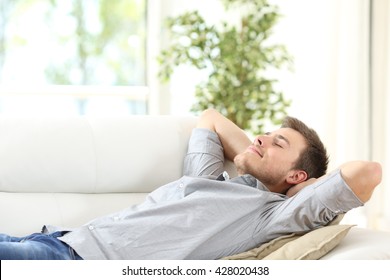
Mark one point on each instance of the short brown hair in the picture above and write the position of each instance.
(314, 159)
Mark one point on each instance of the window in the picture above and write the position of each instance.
(80, 44)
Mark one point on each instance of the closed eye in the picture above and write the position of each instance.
(279, 140)
(275, 143)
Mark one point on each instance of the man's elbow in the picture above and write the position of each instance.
(362, 177)
(207, 119)
(375, 169)
(372, 177)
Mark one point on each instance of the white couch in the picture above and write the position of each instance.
(66, 171)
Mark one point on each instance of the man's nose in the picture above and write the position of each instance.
(259, 141)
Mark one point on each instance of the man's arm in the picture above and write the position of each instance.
(234, 140)
(361, 176)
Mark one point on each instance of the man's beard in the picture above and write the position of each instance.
(270, 178)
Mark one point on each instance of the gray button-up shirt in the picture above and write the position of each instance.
(199, 217)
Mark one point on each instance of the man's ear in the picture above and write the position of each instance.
(296, 176)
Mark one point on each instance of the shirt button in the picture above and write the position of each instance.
(91, 227)
(181, 185)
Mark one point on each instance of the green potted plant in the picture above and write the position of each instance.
(238, 60)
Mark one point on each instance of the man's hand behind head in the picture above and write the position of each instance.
(293, 190)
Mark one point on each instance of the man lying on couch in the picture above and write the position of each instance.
(207, 215)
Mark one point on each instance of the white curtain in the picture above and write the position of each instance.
(379, 211)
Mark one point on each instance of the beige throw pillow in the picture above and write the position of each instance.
(313, 245)
(263, 250)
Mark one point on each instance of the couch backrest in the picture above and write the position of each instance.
(66, 171)
(86, 155)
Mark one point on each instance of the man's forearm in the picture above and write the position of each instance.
(234, 140)
(362, 177)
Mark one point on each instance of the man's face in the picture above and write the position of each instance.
(271, 157)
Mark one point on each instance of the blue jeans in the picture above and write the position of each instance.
(37, 246)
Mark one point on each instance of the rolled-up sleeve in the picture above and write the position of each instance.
(204, 155)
